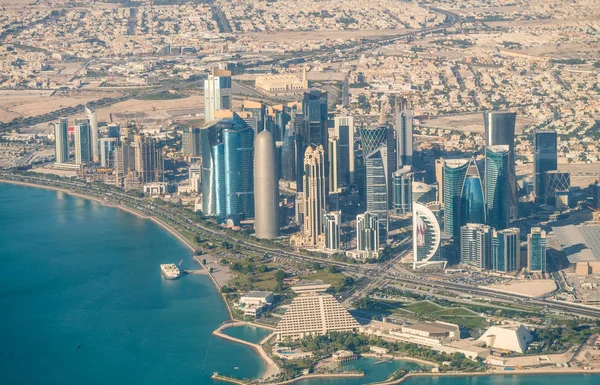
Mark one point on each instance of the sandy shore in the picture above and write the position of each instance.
(400, 358)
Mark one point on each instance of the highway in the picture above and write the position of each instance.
(383, 271)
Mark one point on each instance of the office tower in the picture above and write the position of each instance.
(423, 193)
(148, 159)
(404, 133)
(334, 171)
(107, 149)
(195, 176)
(93, 121)
(227, 163)
(402, 181)
(191, 142)
(258, 111)
(295, 127)
(314, 312)
(281, 116)
(288, 156)
(114, 131)
(427, 237)
(217, 93)
(454, 173)
(506, 249)
(344, 130)
(376, 186)
(314, 109)
(82, 143)
(266, 188)
(536, 251)
(332, 230)
(472, 204)
(500, 130)
(368, 234)
(312, 199)
(555, 181)
(61, 140)
(545, 158)
(497, 186)
(476, 245)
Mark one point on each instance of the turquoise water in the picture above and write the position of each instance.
(75, 272)
(248, 333)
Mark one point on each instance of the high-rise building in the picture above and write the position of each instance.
(595, 190)
(313, 198)
(149, 164)
(555, 181)
(506, 249)
(258, 111)
(314, 110)
(344, 130)
(536, 251)
(114, 131)
(545, 158)
(82, 143)
(404, 133)
(367, 234)
(93, 122)
(402, 181)
(476, 245)
(107, 149)
(472, 204)
(61, 140)
(500, 130)
(191, 142)
(423, 193)
(313, 312)
(497, 186)
(217, 93)
(227, 168)
(439, 177)
(427, 237)
(334, 170)
(266, 188)
(376, 187)
(454, 173)
(332, 230)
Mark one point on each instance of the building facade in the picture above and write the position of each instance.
(506, 248)
(367, 234)
(217, 93)
(61, 140)
(402, 181)
(476, 246)
(497, 186)
(344, 129)
(472, 204)
(545, 158)
(266, 187)
(536, 251)
(404, 133)
(82, 143)
(426, 237)
(454, 172)
(333, 221)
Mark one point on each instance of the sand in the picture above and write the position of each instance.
(533, 288)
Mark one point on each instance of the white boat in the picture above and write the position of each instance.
(170, 271)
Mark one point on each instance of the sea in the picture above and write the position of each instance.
(83, 301)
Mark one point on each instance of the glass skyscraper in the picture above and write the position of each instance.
(402, 181)
(404, 133)
(472, 205)
(217, 93)
(82, 144)
(476, 245)
(61, 140)
(344, 130)
(453, 177)
(314, 109)
(536, 251)
(497, 186)
(506, 250)
(545, 158)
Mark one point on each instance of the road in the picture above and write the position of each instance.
(184, 220)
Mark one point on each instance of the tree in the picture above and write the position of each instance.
(279, 275)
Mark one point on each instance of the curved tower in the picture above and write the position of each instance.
(266, 189)
(427, 236)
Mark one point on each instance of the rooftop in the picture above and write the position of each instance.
(580, 243)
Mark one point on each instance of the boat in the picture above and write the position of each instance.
(170, 271)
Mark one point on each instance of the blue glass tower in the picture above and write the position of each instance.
(472, 206)
(545, 158)
(506, 250)
(497, 186)
(453, 177)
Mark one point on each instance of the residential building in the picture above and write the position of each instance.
(506, 249)
(333, 221)
(107, 149)
(476, 246)
(93, 122)
(536, 251)
(367, 235)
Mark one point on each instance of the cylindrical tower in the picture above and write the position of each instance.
(266, 188)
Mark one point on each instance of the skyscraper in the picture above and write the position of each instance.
(497, 186)
(258, 111)
(536, 251)
(500, 130)
(313, 198)
(344, 130)
(555, 181)
(107, 149)
(439, 177)
(332, 230)
(191, 141)
(227, 168)
(545, 158)
(266, 188)
(472, 205)
(402, 181)
(61, 140)
(376, 186)
(334, 170)
(476, 245)
(149, 164)
(423, 193)
(454, 173)
(506, 249)
(217, 93)
(82, 143)
(427, 237)
(367, 234)
(404, 133)
(93, 121)
(314, 109)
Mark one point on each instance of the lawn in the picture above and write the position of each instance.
(423, 307)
